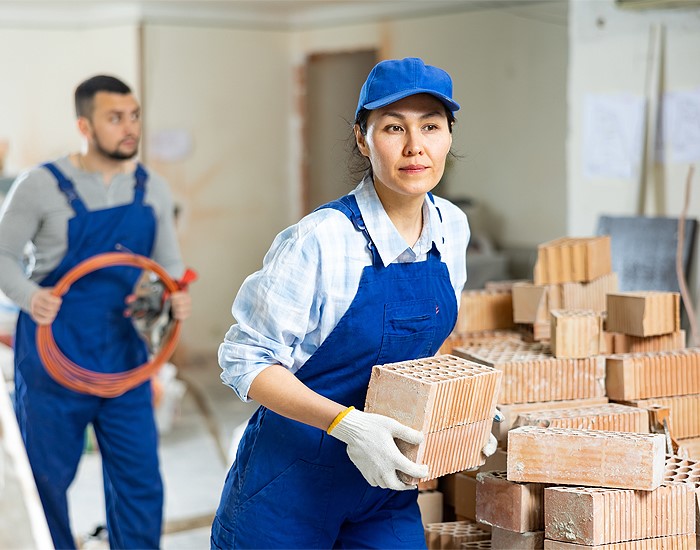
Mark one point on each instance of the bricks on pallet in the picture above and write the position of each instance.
(594, 516)
(531, 373)
(586, 457)
(511, 412)
(569, 259)
(485, 310)
(673, 542)
(575, 333)
(626, 343)
(684, 412)
(647, 313)
(509, 504)
(511, 540)
(449, 535)
(631, 376)
(449, 399)
(612, 417)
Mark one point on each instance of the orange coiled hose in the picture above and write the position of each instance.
(74, 377)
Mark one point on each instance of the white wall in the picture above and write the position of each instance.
(228, 89)
(609, 51)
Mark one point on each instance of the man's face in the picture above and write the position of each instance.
(114, 129)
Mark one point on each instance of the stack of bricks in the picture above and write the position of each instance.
(683, 470)
(668, 379)
(452, 534)
(570, 273)
(644, 322)
(477, 338)
(617, 495)
(450, 399)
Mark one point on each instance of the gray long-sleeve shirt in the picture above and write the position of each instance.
(37, 212)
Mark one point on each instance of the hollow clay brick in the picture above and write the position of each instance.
(476, 545)
(531, 373)
(632, 376)
(439, 536)
(449, 450)
(612, 417)
(511, 412)
(434, 393)
(684, 413)
(626, 343)
(594, 516)
(673, 542)
(590, 295)
(575, 333)
(687, 471)
(573, 260)
(586, 457)
(484, 310)
(430, 504)
(504, 539)
(647, 313)
(449, 399)
(508, 504)
(465, 496)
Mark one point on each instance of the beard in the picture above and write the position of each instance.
(114, 154)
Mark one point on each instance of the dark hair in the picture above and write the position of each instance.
(359, 164)
(86, 90)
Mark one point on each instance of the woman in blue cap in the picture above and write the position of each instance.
(371, 278)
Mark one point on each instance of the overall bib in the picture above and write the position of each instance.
(293, 485)
(91, 330)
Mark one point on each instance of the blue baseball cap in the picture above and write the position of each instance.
(395, 79)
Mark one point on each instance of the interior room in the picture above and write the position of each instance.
(574, 114)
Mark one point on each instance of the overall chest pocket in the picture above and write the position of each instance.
(408, 331)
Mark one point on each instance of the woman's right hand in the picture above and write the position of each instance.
(44, 306)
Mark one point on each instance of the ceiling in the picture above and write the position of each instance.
(264, 14)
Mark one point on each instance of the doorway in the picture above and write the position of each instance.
(333, 82)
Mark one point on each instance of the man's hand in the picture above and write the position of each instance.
(181, 305)
(371, 447)
(44, 306)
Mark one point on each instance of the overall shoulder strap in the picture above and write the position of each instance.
(348, 206)
(67, 188)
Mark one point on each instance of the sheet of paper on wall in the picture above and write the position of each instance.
(170, 145)
(612, 135)
(681, 126)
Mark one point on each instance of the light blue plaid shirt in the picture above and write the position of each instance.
(310, 276)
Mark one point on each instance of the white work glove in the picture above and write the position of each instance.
(492, 443)
(371, 447)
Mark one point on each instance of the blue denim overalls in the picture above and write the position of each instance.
(292, 485)
(91, 330)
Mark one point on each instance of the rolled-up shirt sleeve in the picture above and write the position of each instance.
(275, 309)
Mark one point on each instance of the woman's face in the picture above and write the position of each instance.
(407, 143)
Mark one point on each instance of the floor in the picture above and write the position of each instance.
(192, 464)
